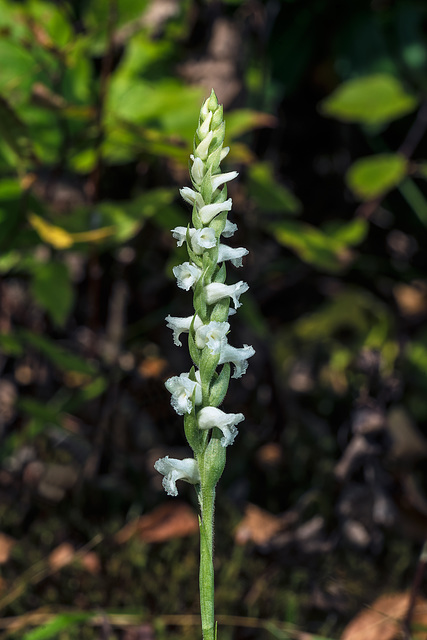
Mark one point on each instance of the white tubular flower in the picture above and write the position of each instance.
(212, 334)
(210, 417)
(182, 390)
(209, 211)
(186, 275)
(203, 130)
(180, 235)
(202, 150)
(181, 325)
(191, 196)
(234, 255)
(239, 357)
(203, 239)
(173, 469)
(221, 178)
(224, 153)
(198, 170)
(229, 229)
(216, 291)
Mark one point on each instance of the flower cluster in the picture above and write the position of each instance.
(197, 394)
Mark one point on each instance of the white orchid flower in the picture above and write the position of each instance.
(186, 275)
(173, 469)
(235, 255)
(237, 356)
(183, 389)
(216, 291)
(210, 417)
(181, 325)
(212, 335)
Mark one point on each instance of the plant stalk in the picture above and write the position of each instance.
(206, 575)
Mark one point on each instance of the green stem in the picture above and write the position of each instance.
(206, 576)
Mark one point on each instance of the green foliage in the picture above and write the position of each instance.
(374, 176)
(372, 100)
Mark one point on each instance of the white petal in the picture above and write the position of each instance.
(239, 357)
(203, 130)
(198, 170)
(216, 291)
(210, 417)
(186, 275)
(229, 229)
(182, 390)
(173, 469)
(209, 211)
(202, 149)
(229, 253)
(212, 334)
(221, 178)
(224, 153)
(178, 326)
(203, 239)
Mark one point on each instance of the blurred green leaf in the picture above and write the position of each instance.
(52, 289)
(373, 176)
(373, 100)
(59, 623)
(329, 251)
(10, 345)
(65, 360)
(241, 121)
(14, 132)
(268, 194)
(17, 76)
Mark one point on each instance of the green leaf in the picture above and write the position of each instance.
(373, 176)
(60, 357)
(52, 289)
(268, 194)
(372, 100)
(59, 623)
(326, 250)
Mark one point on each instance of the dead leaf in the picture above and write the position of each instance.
(152, 367)
(411, 298)
(61, 556)
(6, 545)
(170, 520)
(258, 526)
(91, 562)
(382, 621)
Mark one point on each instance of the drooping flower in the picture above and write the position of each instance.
(235, 255)
(186, 275)
(237, 356)
(216, 291)
(210, 417)
(191, 196)
(181, 325)
(183, 391)
(212, 335)
(221, 178)
(173, 469)
(209, 211)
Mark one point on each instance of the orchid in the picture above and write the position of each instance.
(197, 394)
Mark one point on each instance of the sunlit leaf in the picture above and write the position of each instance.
(50, 233)
(326, 250)
(375, 100)
(373, 176)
